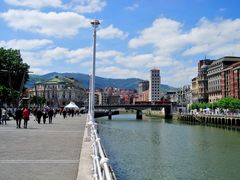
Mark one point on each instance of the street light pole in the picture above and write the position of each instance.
(95, 23)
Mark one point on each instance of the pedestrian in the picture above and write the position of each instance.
(0, 115)
(4, 115)
(50, 115)
(25, 115)
(18, 117)
(64, 113)
(39, 115)
(44, 115)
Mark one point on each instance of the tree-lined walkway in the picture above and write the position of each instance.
(43, 151)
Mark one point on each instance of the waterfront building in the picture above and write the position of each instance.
(184, 95)
(195, 90)
(154, 85)
(143, 91)
(203, 80)
(231, 81)
(59, 91)
(200, 83)
(214, 75)
(143, 86)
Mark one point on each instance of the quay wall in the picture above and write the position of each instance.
(211, 119)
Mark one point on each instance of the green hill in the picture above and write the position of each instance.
(130, 83)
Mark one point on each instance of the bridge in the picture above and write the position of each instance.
(139, 107)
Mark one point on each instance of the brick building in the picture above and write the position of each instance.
(214, 75)
(230, 81)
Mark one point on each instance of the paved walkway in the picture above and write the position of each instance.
(43, 151)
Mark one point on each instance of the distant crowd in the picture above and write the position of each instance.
(40, 114)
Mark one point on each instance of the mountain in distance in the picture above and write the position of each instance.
(129, 83)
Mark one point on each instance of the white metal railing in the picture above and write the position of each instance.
(101, 169)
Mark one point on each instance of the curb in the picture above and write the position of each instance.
(85, 161)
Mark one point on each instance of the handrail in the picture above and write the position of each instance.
(101, 169)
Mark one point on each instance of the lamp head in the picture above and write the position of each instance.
(95, 23)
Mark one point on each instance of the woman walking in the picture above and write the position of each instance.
(26, 114)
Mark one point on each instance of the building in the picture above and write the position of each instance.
(214, 75)
(200, 83)
(143, 86)
(195, 90)
(231, 81)
(59, 91)
(154, 85)
(184, 96)
(203, 80)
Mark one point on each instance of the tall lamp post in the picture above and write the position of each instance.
(95, 23)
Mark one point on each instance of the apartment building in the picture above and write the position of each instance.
(154, 85)
(214, 76)
(230, 81)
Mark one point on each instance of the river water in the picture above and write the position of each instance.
(156, 149)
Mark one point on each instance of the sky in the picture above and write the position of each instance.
(134, 35)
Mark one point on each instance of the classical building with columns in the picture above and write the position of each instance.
(59, 91)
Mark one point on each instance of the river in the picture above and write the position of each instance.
(157, 149)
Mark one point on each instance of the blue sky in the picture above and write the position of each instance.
(134, 36)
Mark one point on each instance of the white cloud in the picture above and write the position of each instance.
(87, 6)
(111, 32)
(108, 54)
(80, 6)
(117, 72)
(62, 24)
(207, 37)
(39, 71)
(35, 59)
(164, 34)
(132, 7)
(24, 44)
(179, 75)
(35, 3)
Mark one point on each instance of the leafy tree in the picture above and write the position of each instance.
(38, 100)
(12, 72)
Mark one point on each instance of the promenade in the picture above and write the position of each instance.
(43, 151)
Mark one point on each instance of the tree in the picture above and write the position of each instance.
(37, 100)
(12, 71)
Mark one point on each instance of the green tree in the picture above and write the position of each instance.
(37, 100)
(12, 72)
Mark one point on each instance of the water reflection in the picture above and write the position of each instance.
(163, 149)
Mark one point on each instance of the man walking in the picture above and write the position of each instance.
(18, 117)
(50, 115)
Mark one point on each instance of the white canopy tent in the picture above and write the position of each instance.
(71, 105)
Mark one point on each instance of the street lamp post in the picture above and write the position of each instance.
(95, 23)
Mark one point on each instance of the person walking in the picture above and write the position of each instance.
(44, 115)
(18, 117)
(4, 115)
(39, 115)
(26, 114)
(64, 113)
(0, 115)
(50, 115)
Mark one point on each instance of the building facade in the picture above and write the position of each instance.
(184, 96)
(214, 75)
(154, 85)
(143, 86)
(231, 81)
(59, 91)
(203, 80)
(195, 93)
